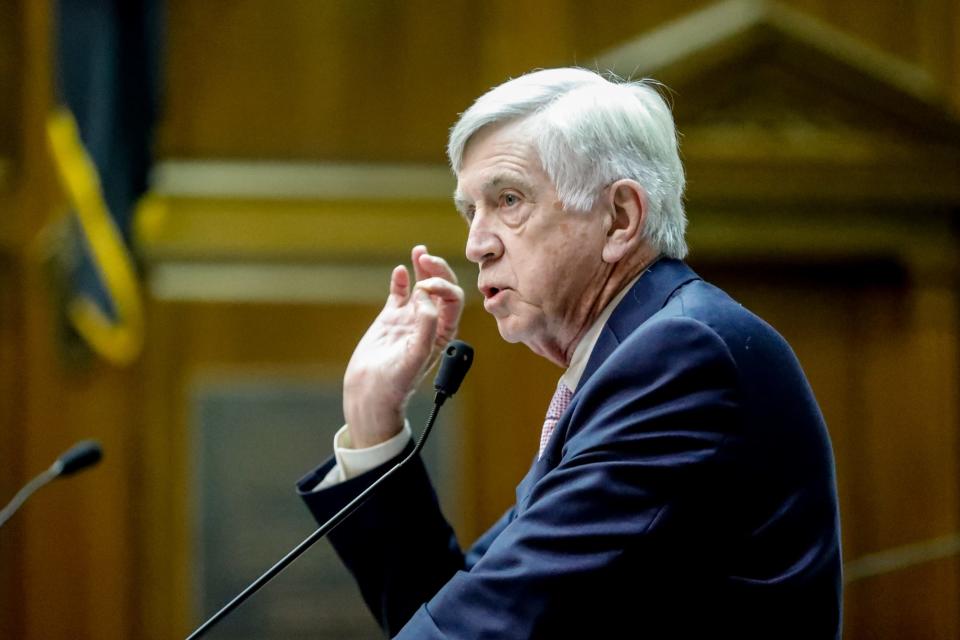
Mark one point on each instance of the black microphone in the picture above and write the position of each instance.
(456, 361)
(80, 456)
(454, 364)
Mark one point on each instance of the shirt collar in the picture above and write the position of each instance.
(581, 354)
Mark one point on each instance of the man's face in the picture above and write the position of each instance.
(540, 266)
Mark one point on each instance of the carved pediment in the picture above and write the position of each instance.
(766, 91)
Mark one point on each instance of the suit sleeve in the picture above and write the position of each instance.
(398, 546)
(639, 443)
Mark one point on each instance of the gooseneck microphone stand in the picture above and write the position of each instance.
(455, 362)
(80, 456)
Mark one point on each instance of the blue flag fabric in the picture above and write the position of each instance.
(108, 61)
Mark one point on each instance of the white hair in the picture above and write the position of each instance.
(588, 132)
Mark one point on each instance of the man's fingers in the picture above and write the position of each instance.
(450, 297)
(429, 266)
(426, 320)
(415, 255)
(442, 288)
(399, 285)
(435, 266)
(442, 285)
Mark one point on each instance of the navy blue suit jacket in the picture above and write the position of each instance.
(688, 491)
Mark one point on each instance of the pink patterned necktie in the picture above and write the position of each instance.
(558, 404)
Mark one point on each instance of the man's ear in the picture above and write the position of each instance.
(627, 204)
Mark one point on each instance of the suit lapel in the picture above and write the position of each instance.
(650, 293)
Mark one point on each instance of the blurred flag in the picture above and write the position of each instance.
(107, 59)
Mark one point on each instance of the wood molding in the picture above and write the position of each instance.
(760, 85)
(777, 221)
(294, 230)
(902, 557)
(696, 43)
(211, 178)
(284, 282)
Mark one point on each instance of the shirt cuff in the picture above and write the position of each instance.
(354, 462)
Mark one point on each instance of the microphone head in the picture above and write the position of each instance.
(80, 456)
(454, 364)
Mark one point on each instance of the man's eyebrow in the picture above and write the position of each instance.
(461, 202)
(508, 177)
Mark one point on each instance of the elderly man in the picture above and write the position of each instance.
(685, 483)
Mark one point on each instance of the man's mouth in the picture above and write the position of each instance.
(493, 297)
(490, 292)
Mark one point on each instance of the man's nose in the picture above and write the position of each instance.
(483, 242)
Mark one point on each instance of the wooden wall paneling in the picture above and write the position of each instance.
(954, 70)
(921, 31)
(77, 536)
(599, 26)
(356, 81)
(382, 82)
(427, 62)
(908, 451)
(894, 29)
(547, 40)
(26, 204)
(10, 51)
(189, 341)
(301, 231)
(11, 472)
(912, 603)
(163, 548)
(74, 571)
(936, 26)
(908, 441)
(17, 41)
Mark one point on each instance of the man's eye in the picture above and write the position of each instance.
(510, 199)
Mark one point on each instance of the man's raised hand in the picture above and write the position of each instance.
(401, 345)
